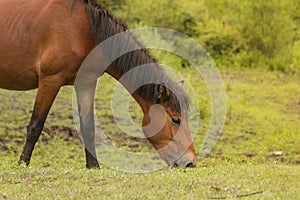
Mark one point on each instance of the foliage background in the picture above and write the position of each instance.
(252, 34)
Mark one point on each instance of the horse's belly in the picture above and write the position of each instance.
(20, 44)
(11, 79)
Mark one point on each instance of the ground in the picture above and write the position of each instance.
(257, 155)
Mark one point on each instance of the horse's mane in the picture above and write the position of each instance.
(105, 25)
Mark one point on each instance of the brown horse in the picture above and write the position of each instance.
(43, 44)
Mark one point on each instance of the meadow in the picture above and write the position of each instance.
(263, 111)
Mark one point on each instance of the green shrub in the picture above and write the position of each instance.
(261, 34)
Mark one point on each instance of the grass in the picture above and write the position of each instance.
(212, 179)
(263, 113)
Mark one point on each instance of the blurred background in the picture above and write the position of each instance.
(251, 34)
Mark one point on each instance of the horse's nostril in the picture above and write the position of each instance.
(190, 165)
(175, 165)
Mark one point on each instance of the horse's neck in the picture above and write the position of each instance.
(145, 105)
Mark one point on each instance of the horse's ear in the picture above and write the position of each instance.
(180, 83)
(162, 93)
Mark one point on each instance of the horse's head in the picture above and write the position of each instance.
(167, 129)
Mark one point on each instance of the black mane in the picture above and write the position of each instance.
(105, 25)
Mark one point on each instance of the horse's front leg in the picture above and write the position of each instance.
(85, 99)
(47, 91)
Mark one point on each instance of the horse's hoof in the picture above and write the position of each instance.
(24, 160)
(93, 166)
(23, 163)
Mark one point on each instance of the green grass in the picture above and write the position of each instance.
(263, 113)
(211, 179)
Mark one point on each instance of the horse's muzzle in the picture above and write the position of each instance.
(186, 161)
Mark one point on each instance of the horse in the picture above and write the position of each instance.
(43, 44)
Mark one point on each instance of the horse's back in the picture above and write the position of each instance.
(16, 44)
(34, 35)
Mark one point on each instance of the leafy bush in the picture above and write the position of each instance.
(252, 33)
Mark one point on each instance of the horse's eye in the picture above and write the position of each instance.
(175, 120)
